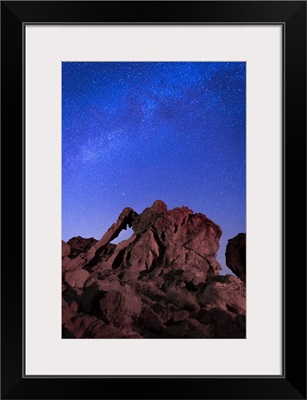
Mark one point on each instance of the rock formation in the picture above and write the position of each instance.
(80, 245)
(236, 255)
(162, 282)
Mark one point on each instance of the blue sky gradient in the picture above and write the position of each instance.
(135, 132)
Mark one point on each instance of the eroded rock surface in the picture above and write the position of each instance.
(236, 255)
(161, 282)
(80, 245)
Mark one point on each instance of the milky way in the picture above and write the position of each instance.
(136, 132)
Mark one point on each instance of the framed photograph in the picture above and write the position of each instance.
(154, 162)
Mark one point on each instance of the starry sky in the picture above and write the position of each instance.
(135, 132)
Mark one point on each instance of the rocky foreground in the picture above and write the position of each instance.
(162, 282)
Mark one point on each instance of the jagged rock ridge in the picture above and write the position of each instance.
(161, 282)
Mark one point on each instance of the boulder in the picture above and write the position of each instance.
(65, 249)
(77, 325)
(119, 308)
(150, 320)
(76, 278)
(180, 315)
(236, 255)
(227, 293)
(79, 244)
(67, 312)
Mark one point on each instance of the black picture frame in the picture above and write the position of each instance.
(292, 16)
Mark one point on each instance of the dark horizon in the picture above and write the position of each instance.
(137, 132)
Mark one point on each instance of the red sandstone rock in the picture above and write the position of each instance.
(80, 245)
(236, 255)
(77, 278)
(223, 324)
(67, 312)
(119, 308)
(161, 282)
(77, 325)
(150, 320)
(224, 292)
(65, 249)
(180, 315)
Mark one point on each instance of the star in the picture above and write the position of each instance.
(135, 132)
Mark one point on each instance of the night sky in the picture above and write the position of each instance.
(135, 132)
